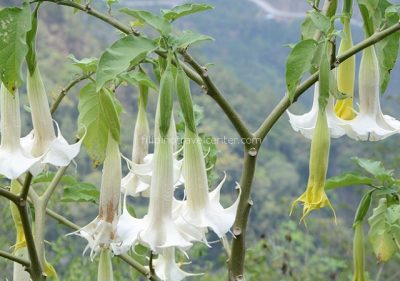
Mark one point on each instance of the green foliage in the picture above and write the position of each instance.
(81, 192)
(320, 21)
(298, 63)
(98, 115)
(159, 23)
(185, 10)
(14, 24)
(187, 38)
(87, 65)
(124, 53)
(347, 179)
(381, 235)
(138, 78)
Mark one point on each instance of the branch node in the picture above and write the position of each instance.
(237, 231)
(252, 151)
(250, 202)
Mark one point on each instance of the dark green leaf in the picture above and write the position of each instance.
(298, 62)
(128, 51)
(184, 10)
(347, 179)
(14, 24)
(157, 22)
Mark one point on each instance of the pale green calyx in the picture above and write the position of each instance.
(105, 270)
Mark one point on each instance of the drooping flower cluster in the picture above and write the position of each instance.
(170, 223)
(336, 120)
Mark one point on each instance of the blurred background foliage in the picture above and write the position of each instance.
(248, 58)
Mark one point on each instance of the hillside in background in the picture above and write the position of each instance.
(247, 62)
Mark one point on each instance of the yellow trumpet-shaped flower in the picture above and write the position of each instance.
(315, 197)
(346, 75)
(358, 253)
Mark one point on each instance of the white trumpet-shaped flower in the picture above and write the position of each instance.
(305, 123)
(14, 159)
(166, 267)
(201, 208)
(157, 229)
(101, 233)
(370, 123)
(132, 183)
(144, 170)
(43, 139)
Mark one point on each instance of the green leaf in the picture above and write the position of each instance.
(307, 28)
(128, 51)
(14, 24)
(47, 177)
(187, 38)
(157, 22)
(184, 10)
(387, 50)
(87, 65)
(298, 62)
(320, 21)
(373, 167)
(380, 233)
(138, 78)
(98, 113)
(111, 2)
(347, 179)
(81, 192)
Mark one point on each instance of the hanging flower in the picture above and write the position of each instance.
(346, 72)
(14, 160)
(101, 232)
(370, 123)
(166, 267)
(43, 139)
(157, 230)
(315, 197)
(131, 183)
(358, 253)
(202, 208)
(306, 123)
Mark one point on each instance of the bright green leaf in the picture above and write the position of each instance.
(14, 24)
(81, 192)
(128, 51)
(157, 22)
(373, 167)
(138, 78)
(320, 21)
(87, 65)
(187, 38)
(184, 10)
(380, 235)
(298, 62)
(97, 113)
(347, 179)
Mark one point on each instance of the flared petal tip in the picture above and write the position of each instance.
(14, 163)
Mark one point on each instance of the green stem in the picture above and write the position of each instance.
(64, 91)
(215, 93)
(10, 196)
(126, 258)
(26, 186)
(16, 259)
(238, 252)
(284, 104)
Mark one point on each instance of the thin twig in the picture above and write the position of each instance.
(16, 259)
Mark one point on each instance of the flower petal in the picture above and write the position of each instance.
(13, 163)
